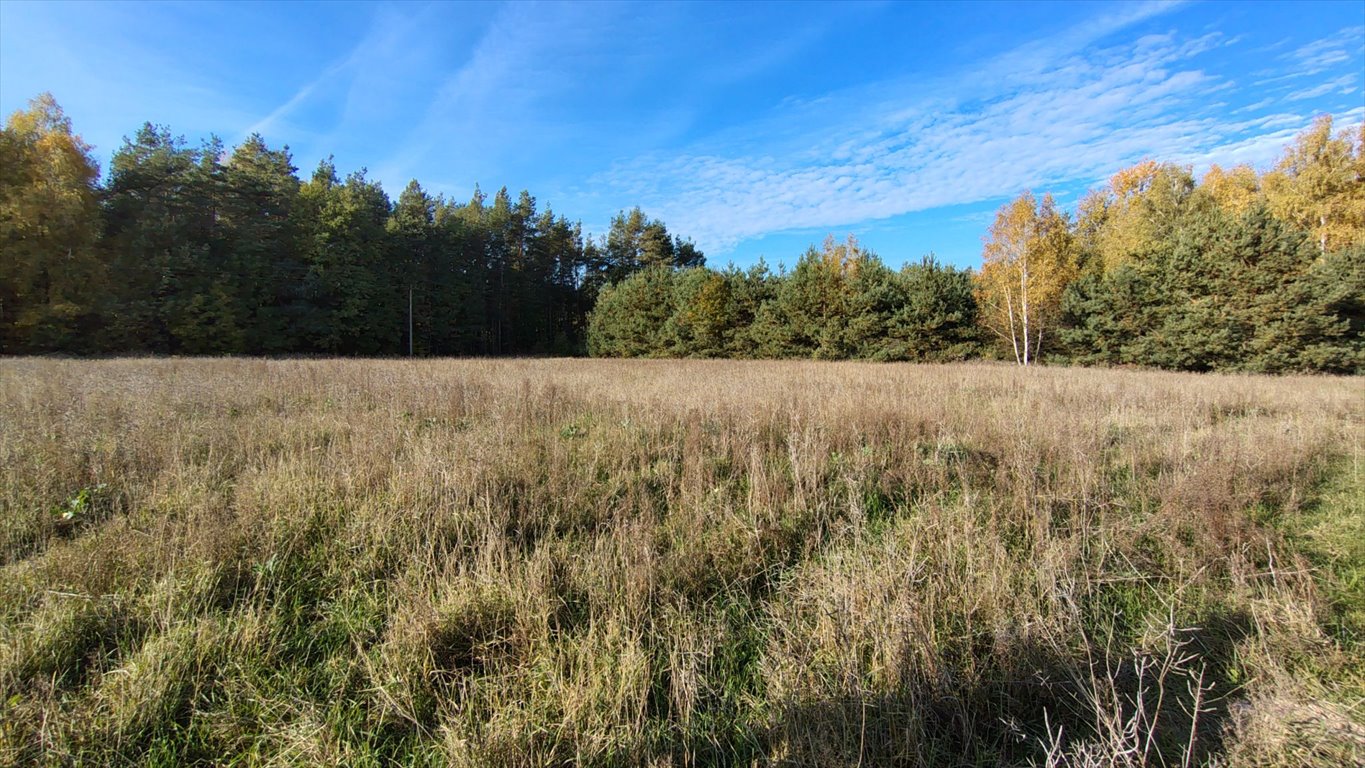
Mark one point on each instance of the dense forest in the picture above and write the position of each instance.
(839, 302)
(1239, 271)
(198, 250)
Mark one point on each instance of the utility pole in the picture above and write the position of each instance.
(409, 321)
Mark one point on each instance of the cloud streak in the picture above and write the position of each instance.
(1054, 112)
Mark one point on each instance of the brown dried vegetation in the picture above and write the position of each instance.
(676, 563)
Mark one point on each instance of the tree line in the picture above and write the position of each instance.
(1239, 271)
(197, 250)
(839, 302)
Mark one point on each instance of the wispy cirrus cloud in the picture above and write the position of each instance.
(1345, 84)
(1062, 111)
(473, 108)
(754, 128)
(1323, 54)
(366, 84)
(1268, 137)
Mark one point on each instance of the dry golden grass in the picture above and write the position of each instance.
(583, 562)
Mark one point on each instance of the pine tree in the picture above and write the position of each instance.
(630, 317)
(260, 247)
(355, 289)
(156, 242)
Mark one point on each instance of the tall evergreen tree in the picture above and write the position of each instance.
(809, 315)
(355, 289)
(260, 247)
(631, 316)
(636, 242)
(704, 315)
(1224, 293)
(419, 258)
(931, 315)
(155, 242)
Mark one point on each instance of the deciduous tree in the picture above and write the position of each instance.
(1028, 260)
(1319, 185)
(1138, 208)
(1235, 190)
(51, 280)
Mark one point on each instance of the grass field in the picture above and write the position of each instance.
(582, 562)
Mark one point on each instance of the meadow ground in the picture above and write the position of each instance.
(585, 562)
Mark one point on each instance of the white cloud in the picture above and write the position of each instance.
(1343, 85)
(1049, 113)
(507, 99)
(1262, 104)
(364, 84)
(1321, 55)
(1024, 120)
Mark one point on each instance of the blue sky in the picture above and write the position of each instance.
(754, 129)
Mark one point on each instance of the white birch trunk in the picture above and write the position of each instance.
(1009, 311)
(1023, 300)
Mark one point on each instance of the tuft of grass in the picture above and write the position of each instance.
(660, 563)
(1331, 537)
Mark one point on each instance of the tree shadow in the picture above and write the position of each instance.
(1007, 705)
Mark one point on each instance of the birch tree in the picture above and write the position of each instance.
(1235, 190)
(1319, 185)
(1028, 260)
(1139, 207)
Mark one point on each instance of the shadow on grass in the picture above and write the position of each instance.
(1023, 700)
